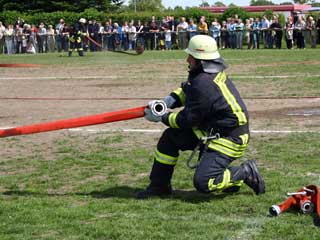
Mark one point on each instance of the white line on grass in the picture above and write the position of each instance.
(99, 130)
(275, 76)
(142, 130)
(162, 77)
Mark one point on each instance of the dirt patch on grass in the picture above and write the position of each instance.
(127, 178)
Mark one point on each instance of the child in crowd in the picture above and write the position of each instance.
(168, 39)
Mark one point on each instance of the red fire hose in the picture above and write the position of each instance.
(93, 41)
(75, 122)
(157, 107)
(13, 65)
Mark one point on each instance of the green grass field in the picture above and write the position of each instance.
(83, 186)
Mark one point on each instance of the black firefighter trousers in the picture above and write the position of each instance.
(212, 172)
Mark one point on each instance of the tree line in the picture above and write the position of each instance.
(59, 5)
(314, 3)
(113, 6)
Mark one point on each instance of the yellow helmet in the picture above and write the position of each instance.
(203, 47)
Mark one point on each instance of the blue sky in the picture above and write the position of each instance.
(191, 3)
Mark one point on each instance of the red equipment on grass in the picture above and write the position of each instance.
(14, 65)
(307, 199)
(157, 107)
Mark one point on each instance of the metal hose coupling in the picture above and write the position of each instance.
(274, 210)
(158, 107)
(307, 207)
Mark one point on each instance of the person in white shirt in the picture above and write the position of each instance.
(168, 39)
(182, 33)
(2, 29)
(132, 35)
(125, 31)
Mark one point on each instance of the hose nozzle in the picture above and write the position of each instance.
(158, 107)
(307, 207)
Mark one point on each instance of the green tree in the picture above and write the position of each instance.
(286, 3)
(232, 11)
(178, 8)
(204, 4)
(268, 13)
(232, 5)
(314, 3)
(59, 5)
(219, 4)
(261, 3)
(300, 1)
(146, 5)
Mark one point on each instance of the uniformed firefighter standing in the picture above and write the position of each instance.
(212, 107)
(76, 34)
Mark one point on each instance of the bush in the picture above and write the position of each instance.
(232, 11)
(10, 17)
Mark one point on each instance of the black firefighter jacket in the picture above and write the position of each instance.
(212, 103)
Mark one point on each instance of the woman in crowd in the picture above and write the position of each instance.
(224, 35)
(289, 32)
(311, 29)
(239, 27)
(300, 28)
(132, 36)
(203, 26)
(192, 28)
(50, 38)
(248, 34)
(8, 36)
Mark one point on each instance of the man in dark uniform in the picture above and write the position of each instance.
(154, 33)
(214, 118)
(276, 30)
(76, 33)
(93, 31)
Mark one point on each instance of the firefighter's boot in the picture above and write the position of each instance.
(155, 191)
(252, 177)
(160, 185)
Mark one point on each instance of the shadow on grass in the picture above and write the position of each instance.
(129, 192)
(126, 192)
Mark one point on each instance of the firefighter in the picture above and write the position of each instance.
(77, 32)
(214, 119)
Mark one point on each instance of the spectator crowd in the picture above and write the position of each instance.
(166, 34)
